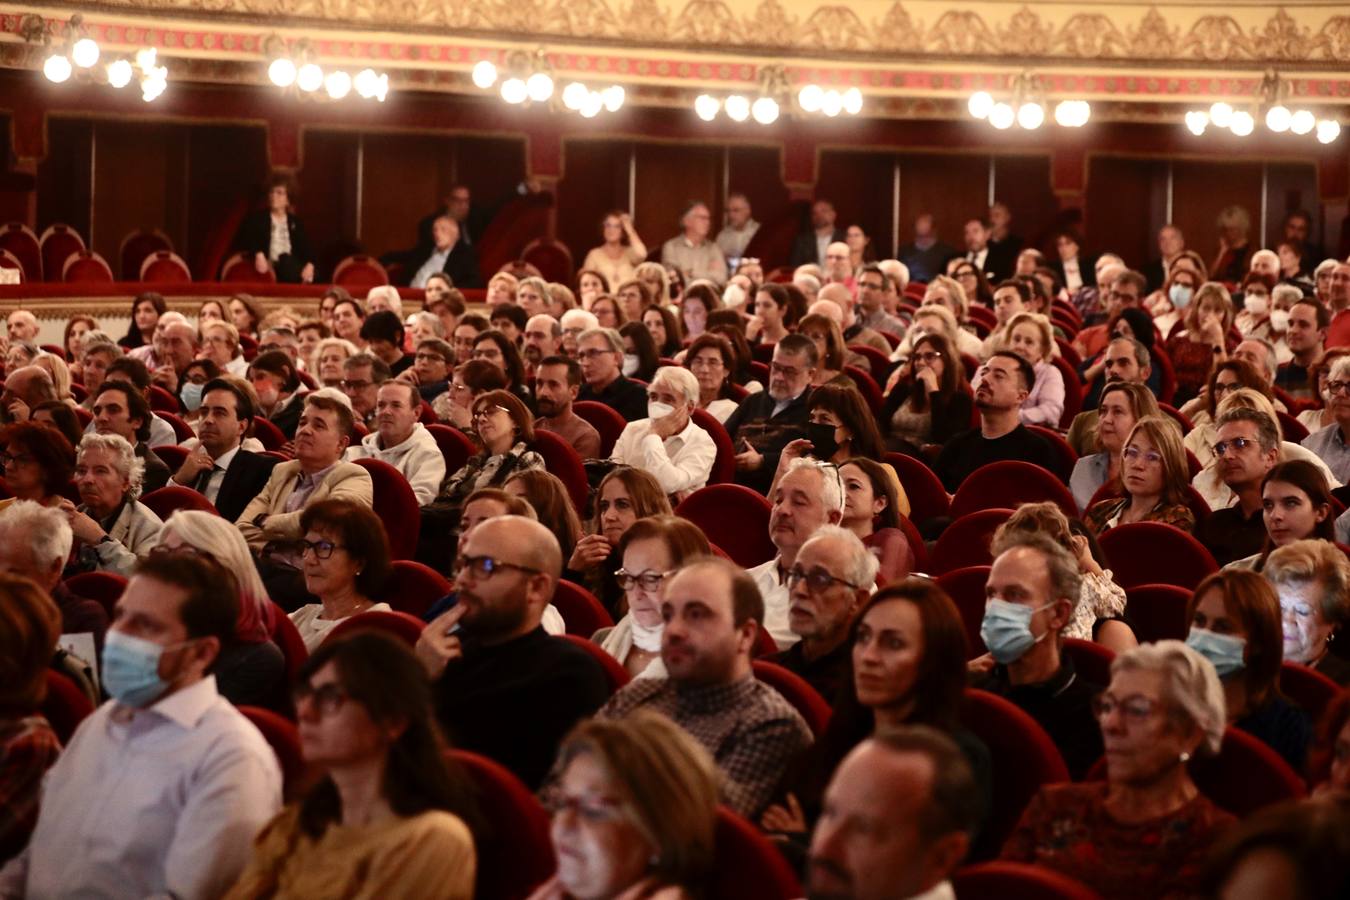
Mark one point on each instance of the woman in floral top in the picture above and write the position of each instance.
(1153, 479)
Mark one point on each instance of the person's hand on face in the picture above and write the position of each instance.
(439, 642)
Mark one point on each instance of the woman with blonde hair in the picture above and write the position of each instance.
(220, 344)
(329, 356)
(1153, 480)
(59, 371)
(1312, 578)
(948, 294)
(1230, 263)
(1204, 339)
(657, 279)
(1122, 404)
(623, 497)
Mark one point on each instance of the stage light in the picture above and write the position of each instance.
(338, 84)
(514, 90)
(1279, 118)
(613, 96)
(85, 52)
(810, 97)
(1197, 121)
(309, 78)
(706, 107)
(1242, 123)
(737, 107)
(146, 58)
(1302, 122)
(1031, 116)
(1328, 130)
(539, 87)
(574, 96)
(765, 110)
(981, 104)
(1072, 113)
(1001, 116)
(832, 104)
(57, 68)
(1221, 114)
(594, 103)
(281, 72)
(484, 74)
(119, 73)
(853, 101)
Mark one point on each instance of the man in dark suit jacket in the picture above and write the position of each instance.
(809, 247)
(218, 468)
(767, 421)
(450, 254)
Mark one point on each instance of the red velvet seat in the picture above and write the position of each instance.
(1172, 555)
(1073, 391)
(1065, 458)
(456, 448)
(1312, 691)
(927, 497)
(1090, 659)
(515, 855)
(10, 261)
(413, 587)
(965, 542)
(550, 257)
(1178, 416)
(1167, 376)
(284, 739)
(65, 706)
(165, 267)
(999, 880)
(878, 363)
(239, 269)
(1024, 759)
(918, 552)
(167, 500)
(1008, 484)
(1294, 430)
(966, 588)
(161, 401)
(359, 273)
(797, 691)
(616, 676)
(181, 430)
(562, 461)
(746, 865)
(396, 505)
(583, 615)
(136, 248)
(605, 420)
(401, 625)
(86, 267)
(269, 435)
(724, 463)
(867, 386)
(172, 455)
(22, 242)
(1158, 612)
(58, 243)
(104, 588)
(733, 517)
(287, 638)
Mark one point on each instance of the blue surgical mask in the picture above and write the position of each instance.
(1006, 629)
(192, 396)
(131, 669)
(1224, 651)
(1180, 295)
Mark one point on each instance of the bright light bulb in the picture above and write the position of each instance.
(1243, 123)
(539, 87)
(1221, 114)
(765, 110)
(366, 83)
(832, 104)
(1031, 116)
(338, 84)
(574, 95)
(484, 74)
(152, 86)
(85, 52)
(1302, 122)
(1328, 130)
(981, 103)
(281, 72)
(382, 88)
(853, 101)
(1197, 121)
(594, 103)
(57, 68)
(706, 107)
(809, 98)
(146, 58)
(1072, 113)
(613, 97)
(119, 73)
(1279, 118)
(309, 77)
(1001, 116)
(514, 90)
(738, 108)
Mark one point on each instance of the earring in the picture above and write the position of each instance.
(1185, 756)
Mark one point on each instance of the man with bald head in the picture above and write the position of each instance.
(838, 264)
(503, 687)
(22, 326)
(24, 389)
(855, 332)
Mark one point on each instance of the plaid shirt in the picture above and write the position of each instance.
(28, 747)
(747, 726)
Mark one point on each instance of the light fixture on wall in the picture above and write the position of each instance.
(525, 79)
(776, 96)
(293, 65)
(1025, 104)
(1273, 109)
(69, 52)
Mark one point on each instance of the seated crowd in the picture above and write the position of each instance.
(825, 555)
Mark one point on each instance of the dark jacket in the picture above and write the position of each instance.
(255, 236)
(805, 250)
(623, 395)
(1062, 705)
(461, 265)
(244, 480)
(951, 414)
(754, 422)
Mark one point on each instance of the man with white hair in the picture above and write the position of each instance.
(543, 338)
(149, 354)
(1260, 352)
(667, 444)
(809, 496)
(600, 352)
(384, 296)
(1322, 280)
(691, 251)
(22, 326)
(1338, 304)
(808, 284)
(450, 254)
(1332, 443)
(1266, 262)
(855, 332)
(838, 264)
(829, 581)
(1171, 244)
(574, 323)
(35, 543)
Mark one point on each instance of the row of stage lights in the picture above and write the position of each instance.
(1279, 119)
(528, 80)
(308, 77)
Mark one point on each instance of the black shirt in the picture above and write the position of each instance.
(1229, 535)
(1282, 727)
(1062, 705)
(623, 395)
(827, 674)
(754, 421)
(968, 451)
(515, 702)
(403, 363)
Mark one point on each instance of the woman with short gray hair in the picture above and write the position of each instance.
(112, 528)
(667, 444)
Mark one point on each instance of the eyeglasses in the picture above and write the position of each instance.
(484, 412)
(430, 357)
(355, 385)
(928, 356)
(1135, 709)
(594, 810)
(649, 581)
(487, 566)
(320, 549)
(326, 698)
(1152, 457)
(1238, 444)
(817, 580)
(1335, 387)
(706, 362)
(591, 354)
(1222, 387)
(19, 459)
(785, 371)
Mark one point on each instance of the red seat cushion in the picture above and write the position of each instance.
(733, 517)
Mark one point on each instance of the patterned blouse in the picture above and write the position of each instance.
(1105, 515)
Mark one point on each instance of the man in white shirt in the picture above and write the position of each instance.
(162, 790)
(402, 441)
(809, 495)
(667, 444)
(898, 819)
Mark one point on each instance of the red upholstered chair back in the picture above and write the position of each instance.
(172, 497)
(733, 517)
(85, 267)
(551, 258)
(516, 854)
(1167, 376)
(797, 691)
(616, 676)
(965, 542)
(724, 464)
(1091, 660)
(1073, 391)
(104, 588)
(396, 505)
(66, 705)
(1008, 484)
(172, 455)
(927, 497)
(583, 615)
(138, 246)
(878, 363)
(21, 241)
(561, 460)
(916, 548)
(287, 637)
(1065, 458)
(161, 401)
(413, 587)
(966, 588)
(1158, 612)
(239, 269)
(401, 625)
(181, 430)
(269, 435)
(1312, 691)
(746, 865)
(10, 261)
(1174, 557)
(455, 446)
(605, 420)
(165, 267)
(1024, 759)
(359, 272)
(998, 880)
(867, 386)
(58, 243)
(284, 739)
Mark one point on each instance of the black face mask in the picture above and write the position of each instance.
(821, 435)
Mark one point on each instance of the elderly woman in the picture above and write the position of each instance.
(112, 528)
(469, 380)
(1029, 335)
(505, 430)
(948, 294)
(38, 462)
(652, 550)
(389, 815)
(622, 497)
(345, 560)
(1146, 829)
(329, 356)
(1204, 339)
(1320, 417)
(635, 812)
(251, 671)
(677, 453)
(713, 361)
(1122, 405)
(1234, 224)
(1235, 624)
(1312, 578)
(195, 377)
(1153, 480)
(220, 344)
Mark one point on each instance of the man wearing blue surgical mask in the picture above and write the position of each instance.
(163, 787)
(1029, 599)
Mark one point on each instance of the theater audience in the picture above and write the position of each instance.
(872, 511)
(183, 781)
(403, 442)
(38, 463)
(219, 468)
(1029, 337)
(35, 543)
(1312, 578)
(665, 330)
(552, 506)
(362, 374)
(1331, 443)
(274, 237)
(384, 334)
(1122, 405)
(623, 496)
(1153, 480)
(712, 613)
(678, 453)
(279, 389)
(470, 380)
(600, 353)
(1236, 625)
(113, 529)
(503, 687)
(1146, 829)
(1203, 340)
(389, 814)
(1228, 377)
(345, 560)
(121, 410)
(1296, 505)
(146, 308)
(1246, 449)
(713, 361)
(1292, 850)
(505, 430)
(931, 400)
(767, 421)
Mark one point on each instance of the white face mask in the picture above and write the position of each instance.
(1279, 320)
(1256, 305)
(631, 364)
(658, 410)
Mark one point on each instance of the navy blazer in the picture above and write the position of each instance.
(244, 480)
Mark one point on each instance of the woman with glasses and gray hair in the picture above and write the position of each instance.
(112, 528)
(678, 453)
(1146, 830)
(345, 559)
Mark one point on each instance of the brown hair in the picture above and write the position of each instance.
(49, 448)
(552, 506)
(643, 490)
(1251, 599)
(361, 534)
(518, 411)
(834, 339)
(346, 421)
(1247, 376)
(30, 624)
(1165, 435)
(848, 404)
(683, 539)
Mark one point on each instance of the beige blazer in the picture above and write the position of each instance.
(347, 481)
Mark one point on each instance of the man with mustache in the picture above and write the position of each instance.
(503, 686)
(543, 338)
(1248, 446)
